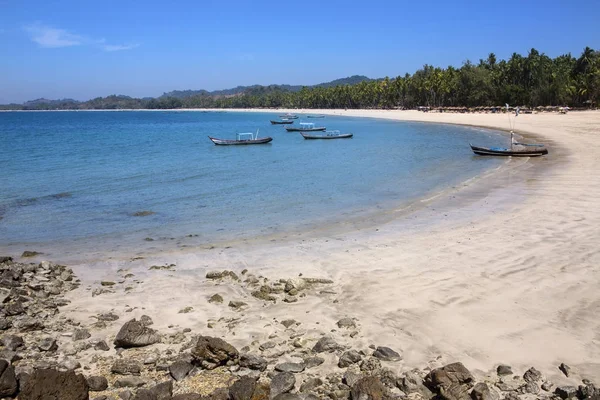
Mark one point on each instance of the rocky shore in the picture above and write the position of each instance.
(45, 354)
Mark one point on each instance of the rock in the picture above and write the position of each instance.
(283, 382)
(222, 275)
(482, 391)
(311, 362)
(102, 346)
(370, 365)
(81, 334)
(47, 344)
(108, 317)
(107, 283)
(180, 369)
(566, 392)
(129, 381)
(163, 391)
(290, 299)
(386, 354)
(8, 380)
(326, 344)
(12, 342)
(348, 358)
(530, 388)
(290, 367)
(70, 364)
(28, 253)
(253, 362)
(243, 389)
(547, 386)
(126, 367)
(504, 370)
(369, 388)
(588, 391)
(186, 310)
(28, 324)
(146, 320)
(288, 322)
(263, 295)
(347, 323)
(136, 334)
(51, 384)
(144, 394)
(216, 298)
(288, 396)
(564, 368)
(126, 395)
(411, 382)
(451, 382)
(100, 398)
(267, 345)
(97, 383)
(14, 308)
(311, 384)
(187, 396)
(211, 352)
(237, 304)
(532, 375)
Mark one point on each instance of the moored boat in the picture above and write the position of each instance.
(288, 116)
(306, 127)
(315, 116)
(516, 150)
(282, 122)
(245, 138)
(327, 135)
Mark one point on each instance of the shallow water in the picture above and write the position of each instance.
(76, 178)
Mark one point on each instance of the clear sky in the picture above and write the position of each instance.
(83, 49)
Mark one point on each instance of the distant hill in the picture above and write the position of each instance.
(36, 102)
(182, 94)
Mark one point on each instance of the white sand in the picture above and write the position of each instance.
(508, 274)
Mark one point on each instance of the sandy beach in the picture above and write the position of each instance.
(504, 269)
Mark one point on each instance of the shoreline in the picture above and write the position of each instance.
(516, 285)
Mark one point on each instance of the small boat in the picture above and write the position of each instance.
(516, 150)
(242, 138)
(282, 122)
(327, 135)
(315, 116)
(288, 116)
(306, 127)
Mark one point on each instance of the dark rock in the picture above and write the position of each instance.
(102, 346)
(243, 389)
(81, 334)
(47, 344)
(28, 253)
(386, 354)
(350, 377)
(146, 320)
(283, 382)
(504, 370)
(411, 382)
(511, 396)
(14, 308)
(8, 380)
(252, 361)
(564, 368)
(348, 358)
(263, 295)
(347, 323)
(97, 383)
(326, 344)
(216, 298)
(126, 367)
(180, 369)
(126, 395)
(530, 388)
(311, 362)
(108, 317)
(288, 322)
(4, 324)
(144, 394)
(290, 367)
(451, 382)
(370, 365)
(588, 391)
(12, 342)
(28, 324)
(136, 334)
(237, 304)
(566, 392)
(369, 388)
(267, 345)
(482, 391)
(532, 375)
(547, 386)
(211, 352)
(46, 384)
(5, 259)
(311, 384)
(163, 391)
(129, 381)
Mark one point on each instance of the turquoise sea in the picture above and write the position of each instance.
(77, 179)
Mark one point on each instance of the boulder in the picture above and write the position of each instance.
(566, 392)
(163, 390)
(311, 384)
(97, 383)
(482, 391)
(13, 342)
(348, 358)
(51, 384)
(504, 370)
(283, 382)
(290, 367)
(180, 369)
(369, 388)
(28, 324)
(243, 389)
(326, 344)
(211, 352)
(565, 369)
(451, 382)
(386, 354)
(8, 380)
(532, 375)
(347, 323)
(136, 334)
(81, 334)
(129, 381)
(412, 382)
(311, 362)
(47, 344)
(252, 361)
(125, 367)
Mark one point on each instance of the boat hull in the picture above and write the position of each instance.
(281, 122)
(521, 151)
(227, 142)
(339, 136)
(316, 129)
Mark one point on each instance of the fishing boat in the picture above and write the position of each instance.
(305, 127)
(288, 116)
(244, 138)
(516, 149)
(327, 135)
(282, 122)
(315, 116)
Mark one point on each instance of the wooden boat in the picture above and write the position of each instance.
(516, 150)
(315, 116)
(282, 122)
(327, 135)
(288, 116)
(242, 139)
(305, 127)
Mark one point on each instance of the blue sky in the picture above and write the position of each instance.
(84, 49)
